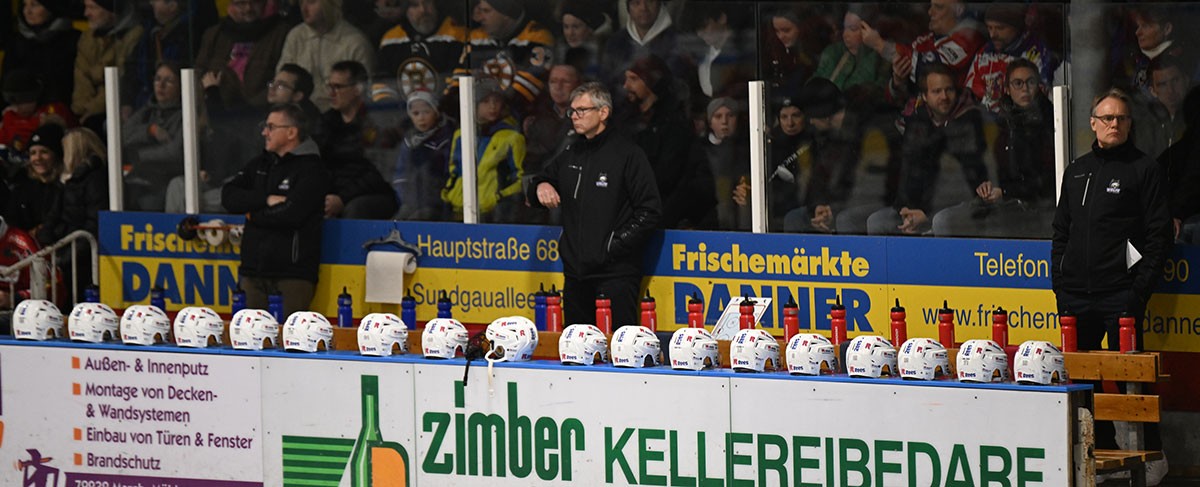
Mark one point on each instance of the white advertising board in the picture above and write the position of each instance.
(109, 417)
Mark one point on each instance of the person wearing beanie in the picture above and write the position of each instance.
(22, 92)
(34, 191)
(324, 38)
(585, 30)
(112, 33)
(84, 196)
(722, 156)
(422, 161)
(1008, 40)
(426, 40)
(500, 158)
(44, 44)
(516, 49)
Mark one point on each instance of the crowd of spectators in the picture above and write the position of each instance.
(885, 118)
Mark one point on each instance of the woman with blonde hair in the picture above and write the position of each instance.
(84, 195)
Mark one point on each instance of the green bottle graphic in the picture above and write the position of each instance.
(374, 462)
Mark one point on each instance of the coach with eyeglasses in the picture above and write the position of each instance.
(610, 205)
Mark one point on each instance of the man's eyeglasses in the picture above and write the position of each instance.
(579, 112)
(1109, 119)
(1020, 84)
(279, 85)
(270, 127)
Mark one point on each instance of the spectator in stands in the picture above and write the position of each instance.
(500, 158)
(33, 192)
(1009, 40)
(1181, 167)
(323, 39)
(585, 31)
(1112, 202)
(947, 121)
(789, 148)
(851, 67)
(952, 40)
(238, 57)
(45, 44)
(1155, 37)
(152, 142)
(650, 32)
(547, 127)
(421, 166)
(358, 190)
(790, 55)
(113, 30)
(168, 36)
(26, 112)
(84, 195)
(386, 15)
(724, 152)
(609, 205)
(723, 57)
(511, 47)
(658, 123)
(1160, 115)
(282, 192)
(1020, 202)
(419, 53)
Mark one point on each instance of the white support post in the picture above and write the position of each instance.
(466, 110)
(191, 147)
(112, 112)
(758, 138)
(1060, 97)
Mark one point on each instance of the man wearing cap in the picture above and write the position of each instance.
(324, 38)
(422, 160)
(499, 157)
(657, 121)
(22, 91)
(419, 53)
(609, 205)
(45, 44)
(511, 47)
(359, 190)
(112, 33)
(1009, 40)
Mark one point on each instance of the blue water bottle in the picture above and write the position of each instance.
(345, 309)
(157, 299)
(239, 300)
(275, 306)
(443, 306)
(539, 308)
(91, 294)
(408, 310)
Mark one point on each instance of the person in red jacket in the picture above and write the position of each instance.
(952, 40)
(22, 91)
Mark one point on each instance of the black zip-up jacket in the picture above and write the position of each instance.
(609, 202)
(83, 197)
(281, 241)
(1110, 196)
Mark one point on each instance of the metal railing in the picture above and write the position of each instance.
(37, 289)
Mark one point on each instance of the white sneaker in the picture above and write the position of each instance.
(1156, 470)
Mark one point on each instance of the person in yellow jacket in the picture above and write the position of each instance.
(499, 158)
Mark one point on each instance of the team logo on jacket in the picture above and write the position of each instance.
(1114, 186)
(602, 182)
(285, 185)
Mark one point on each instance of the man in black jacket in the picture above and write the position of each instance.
(1113, 206)
(610, 205)
(359, 190)
(282, 192)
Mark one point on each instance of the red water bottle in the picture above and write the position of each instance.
(695, 307)
(1000, 327)
(746, 314)
(837, 322)
(1128, 333)
(1066, 325)
(649, 316)
(946, 325)
(899, 325)
(791, 319)
(554, 311)
(604, 313)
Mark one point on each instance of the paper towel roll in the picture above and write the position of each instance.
(385, 275)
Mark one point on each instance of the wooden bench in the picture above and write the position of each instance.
(1135, 370)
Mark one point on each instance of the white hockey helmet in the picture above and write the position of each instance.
(379, 333)
(981, 361)
(1039, 362)
(443, 337)
(636, 346)
(195, 326)
(582, 345)
(512, 338)
(92, 322)
(753, 350)
(250, 328)
(694, 349)
(871, 356)
(143, 324)
(811, 354)
(37, 319)
(306, 331)
(923, 359)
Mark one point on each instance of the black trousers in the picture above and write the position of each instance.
(579, 299)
